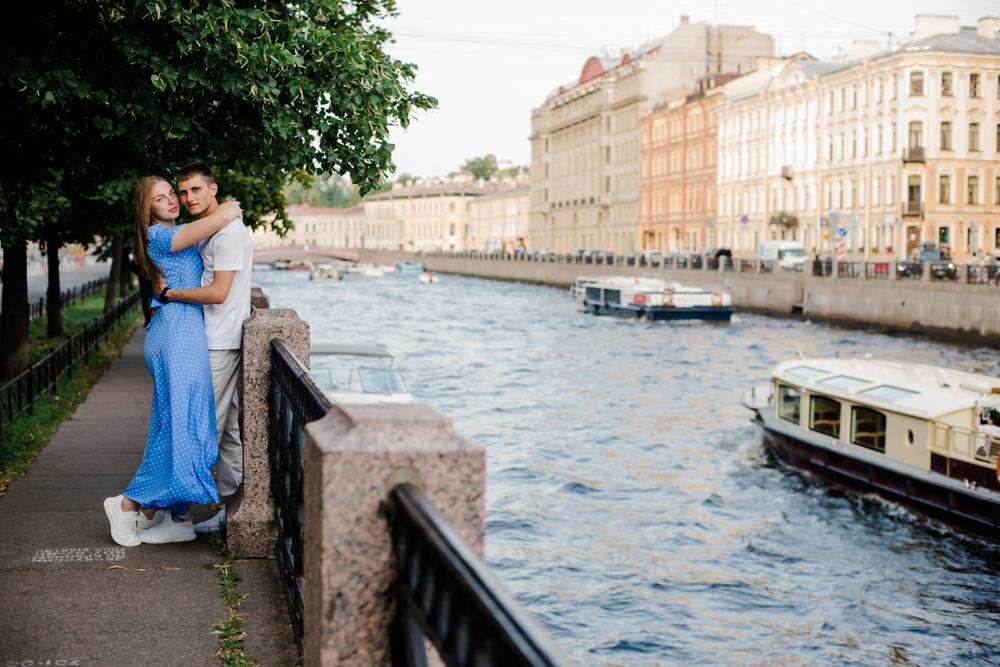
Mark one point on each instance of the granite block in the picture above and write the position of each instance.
(354, 457)
(250, 511)
(258, 299)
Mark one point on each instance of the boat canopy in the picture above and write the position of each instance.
(919, 390)
(358, 350)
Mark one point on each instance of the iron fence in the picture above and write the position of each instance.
(445, 592)
(849, 269)
(68, 297)
(295, 400)
(878, 270)
(19, 394)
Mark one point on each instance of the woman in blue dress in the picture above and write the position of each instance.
(176, 468)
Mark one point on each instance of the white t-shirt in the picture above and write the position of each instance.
(229, 249)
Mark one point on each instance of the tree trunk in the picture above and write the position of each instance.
(53, 296)
(14, 317)
(114, 277)
(124, 275)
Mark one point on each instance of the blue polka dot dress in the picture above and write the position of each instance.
(176, 469)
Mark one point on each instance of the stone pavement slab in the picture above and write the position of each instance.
(69, 593)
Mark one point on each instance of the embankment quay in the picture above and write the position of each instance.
(849, 292)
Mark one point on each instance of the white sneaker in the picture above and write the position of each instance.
(122, 522)
(167, 531)
(142, 523)
(213, 524)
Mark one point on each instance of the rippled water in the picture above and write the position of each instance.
(632, 506)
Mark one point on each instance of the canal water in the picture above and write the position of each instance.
(631, 505)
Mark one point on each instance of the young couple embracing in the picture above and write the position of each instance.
(201, 274)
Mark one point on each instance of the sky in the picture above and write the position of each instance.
(490, 63)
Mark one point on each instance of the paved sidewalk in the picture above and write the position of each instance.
(70, 596)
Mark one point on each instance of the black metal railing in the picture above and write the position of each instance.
(68, 297)
(295, 400)
(19, 394)
(445, 592)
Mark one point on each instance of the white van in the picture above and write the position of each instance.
(790, 255)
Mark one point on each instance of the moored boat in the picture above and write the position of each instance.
(925, 436)
(409, 267)
(324, 271)
(428, 278)
(650, 299)
(357, 374)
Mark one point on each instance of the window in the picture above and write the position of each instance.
(895, 87)
(824, 416)
(868, 428)
(789, 399)
(972, 190)
(916, 134)
(944, 236)
(916, 84)
(946, 136)
(946, 84)
(944, 189)
(974, 90)
(973, 136)
(878, 90)
(607, 155)
(893, 149)
(996, 195)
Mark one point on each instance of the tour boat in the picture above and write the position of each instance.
(366, 270)
(357, 374)
(650, 299)
(922, 435)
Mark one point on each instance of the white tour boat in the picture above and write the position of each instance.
(650, 299)
(922, 435)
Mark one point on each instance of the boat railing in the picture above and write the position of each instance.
(963, 443)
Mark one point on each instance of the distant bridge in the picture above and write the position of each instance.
(311, 253)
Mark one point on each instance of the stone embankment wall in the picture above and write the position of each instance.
(970, 310)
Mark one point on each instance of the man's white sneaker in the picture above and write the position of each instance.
(213, 524)
(142, 523)
(167, 531)
(122, 522)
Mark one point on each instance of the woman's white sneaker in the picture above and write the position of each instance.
(211, 525)
(142, 523)
(122, 522)
(168, 531)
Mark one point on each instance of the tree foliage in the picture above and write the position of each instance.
(481, 167)
(98, 93)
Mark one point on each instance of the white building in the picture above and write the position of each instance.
(499, 220)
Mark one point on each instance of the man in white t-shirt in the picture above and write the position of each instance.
(225, 294)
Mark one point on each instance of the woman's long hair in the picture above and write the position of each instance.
(142, 199)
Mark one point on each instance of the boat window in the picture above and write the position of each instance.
(789, 399)
(380, 381)
(868, 428)
(888, 392)
(807, 372)
(593, 294)
(845, 382)
(324, 376)
(612, 296)
(824, 416)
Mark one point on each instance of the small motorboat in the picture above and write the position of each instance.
(366, 270)
(925, 436)
(428, 278)
(324, 272)
(410, 267)
(358, 374)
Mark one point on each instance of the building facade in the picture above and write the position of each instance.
(499, 220)
(585, 137)
(887, 151)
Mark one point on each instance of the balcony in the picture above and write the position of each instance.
(784, 219)
(913, 154)
(913, 209)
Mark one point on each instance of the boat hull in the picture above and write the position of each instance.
(662, 313)
(931, 494)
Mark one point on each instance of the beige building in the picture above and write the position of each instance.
(428, 215)
(889, 149)
(499, 220)
(585, 137)
(317, 226)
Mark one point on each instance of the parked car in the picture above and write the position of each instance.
(652, 258)
(789, 255)
(941, 266)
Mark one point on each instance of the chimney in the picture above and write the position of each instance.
(929, 25)
(988, 27)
